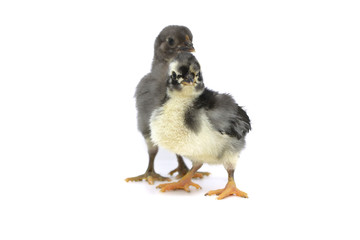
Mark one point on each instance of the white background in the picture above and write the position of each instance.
(68, 135)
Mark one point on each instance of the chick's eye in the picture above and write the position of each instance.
(171, 41)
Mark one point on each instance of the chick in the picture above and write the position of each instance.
(152, 89)
(200, 124)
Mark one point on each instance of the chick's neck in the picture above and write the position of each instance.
(160, 68)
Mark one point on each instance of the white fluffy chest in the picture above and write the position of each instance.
(168, 130)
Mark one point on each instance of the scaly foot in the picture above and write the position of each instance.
(178, 185)
(201, 174)
(184, 183)
(150, 177)
(229, 190)
(182, 171)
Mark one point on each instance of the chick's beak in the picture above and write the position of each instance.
(189, 81)
(187, 46)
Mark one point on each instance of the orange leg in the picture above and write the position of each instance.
(182, 169)
(229, 190)
(184, 183)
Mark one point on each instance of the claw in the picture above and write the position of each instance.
(150, 177)
(229, 190)
(201, 174)
(180, 170)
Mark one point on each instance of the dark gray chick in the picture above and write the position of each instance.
(200, 124)
(152, 88)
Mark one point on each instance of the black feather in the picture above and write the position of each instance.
(206, 100)
(240, 125)
(223, 113)
(192, 119)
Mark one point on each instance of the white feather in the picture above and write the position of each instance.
(169, 131)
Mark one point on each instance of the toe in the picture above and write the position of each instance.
(173, 171)
(160, 185)
(214, 192)
(150, 180)
(197, 186)
(241, 194)
(198, 175)
(162, 188)
(224, 194)
(135, 179)
(201, 174)
(220, 197)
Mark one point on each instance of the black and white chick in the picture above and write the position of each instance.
(200, 124)
(152, 89)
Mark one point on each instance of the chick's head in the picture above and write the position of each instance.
(172, 40)
(185, 75)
